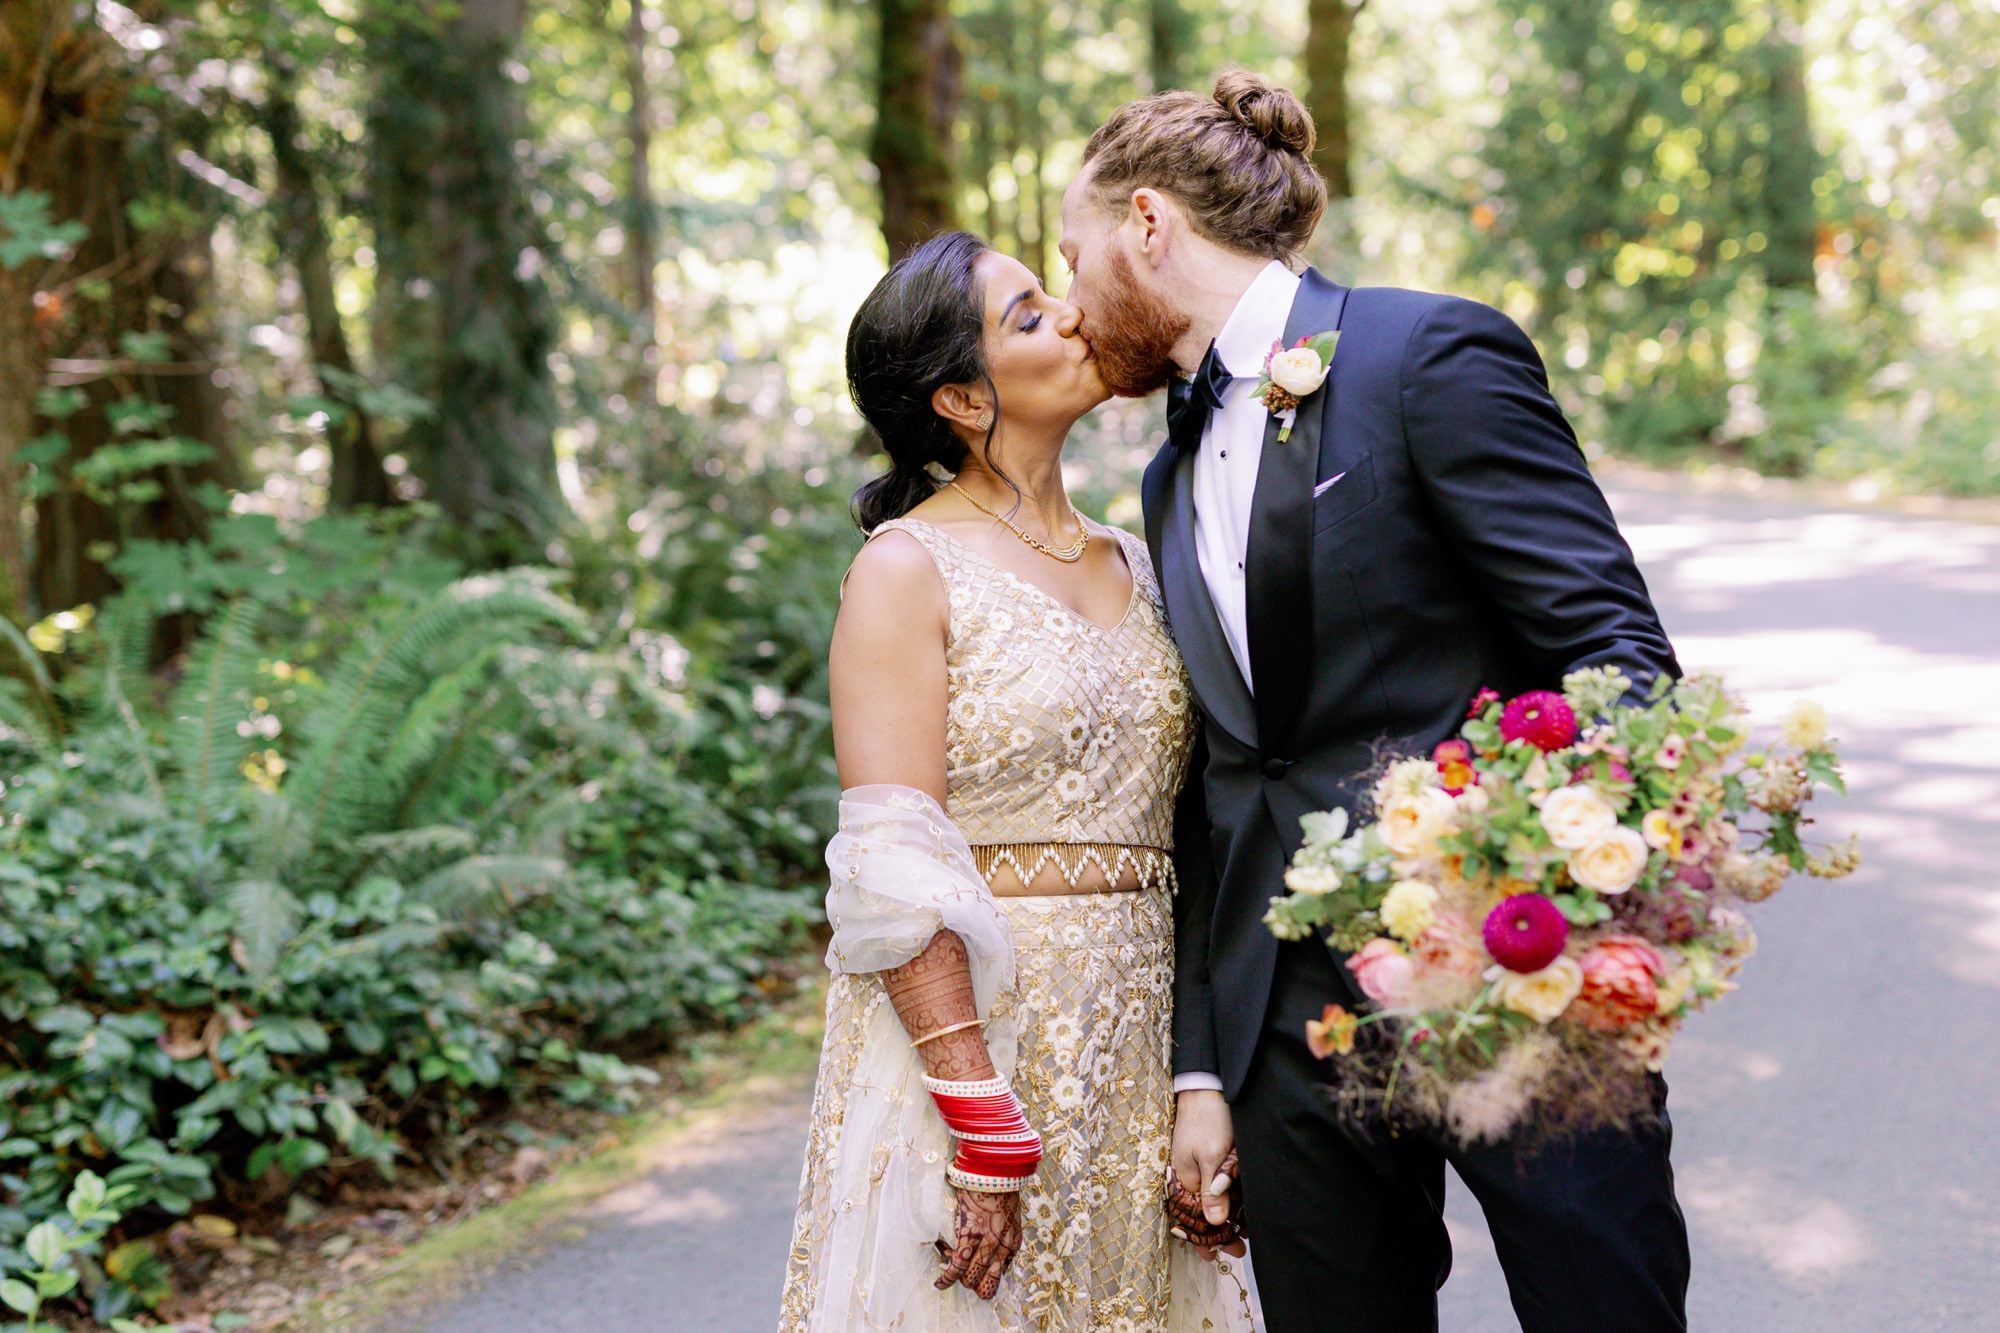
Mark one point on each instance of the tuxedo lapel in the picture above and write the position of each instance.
(1211, 667)
(1278, 565)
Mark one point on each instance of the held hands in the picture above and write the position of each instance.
(1204, 1198)
(989, 1235)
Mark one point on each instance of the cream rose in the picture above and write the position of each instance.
(1412, 822)
(1313, 880)
(1473, 800)
(1409, 908)
(1541, 995)
(1805, 726)
(1610, 864)
(1577, 816)
(1297, 370)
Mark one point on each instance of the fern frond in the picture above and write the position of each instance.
(412, 851)
(339, 780)
(277, 843)
(483, 885)
(126, 636)
(209, 709)
(266, 918)
(37, 688)
(23, 721)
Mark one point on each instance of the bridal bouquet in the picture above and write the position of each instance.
(1539, 905)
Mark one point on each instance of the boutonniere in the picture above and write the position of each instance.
(1295, 372)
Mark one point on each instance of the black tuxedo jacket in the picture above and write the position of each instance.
(1463, 544)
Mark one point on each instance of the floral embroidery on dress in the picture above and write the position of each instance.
(1059, 730)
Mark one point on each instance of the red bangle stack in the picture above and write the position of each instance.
(997, 1149)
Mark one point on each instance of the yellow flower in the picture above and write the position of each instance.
(1409, 908)
(1660, 832)
(1805, 726)
(1541, 995)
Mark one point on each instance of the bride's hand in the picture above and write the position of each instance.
(989, 1234)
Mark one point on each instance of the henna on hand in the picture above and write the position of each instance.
(989, 1236)
(932, 991)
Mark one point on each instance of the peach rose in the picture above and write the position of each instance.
(1451, 945)
(1621, 983)
(1384, 972)
(1610, 864)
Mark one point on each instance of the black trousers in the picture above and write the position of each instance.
(1347, 1232)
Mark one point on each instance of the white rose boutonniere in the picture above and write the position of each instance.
(1295, 372)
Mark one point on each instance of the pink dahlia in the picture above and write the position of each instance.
(1540, 717)
(1526, 933)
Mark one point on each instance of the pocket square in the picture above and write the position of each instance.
(1327, 485)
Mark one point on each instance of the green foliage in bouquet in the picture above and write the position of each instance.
(1537, 906)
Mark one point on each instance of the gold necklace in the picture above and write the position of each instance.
(1069, 555)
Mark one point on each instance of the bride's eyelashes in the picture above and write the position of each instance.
(1032, 323)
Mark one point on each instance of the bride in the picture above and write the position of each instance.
(992, 1120)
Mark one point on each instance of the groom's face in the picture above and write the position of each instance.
(1127, 318)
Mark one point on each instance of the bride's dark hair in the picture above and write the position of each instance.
(920, 329)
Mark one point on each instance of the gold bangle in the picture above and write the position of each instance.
(955, 1027)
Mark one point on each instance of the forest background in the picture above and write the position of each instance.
(424, 458)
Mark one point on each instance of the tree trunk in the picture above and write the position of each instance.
(1791, 162)
(1329, 30)
(916, 104)
(1171, 30)
(1036, 253)
(464, 314)
(67, 132)
(641, 238)
(358, 477)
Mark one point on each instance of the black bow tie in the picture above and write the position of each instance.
(1190, 402)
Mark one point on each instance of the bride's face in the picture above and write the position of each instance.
(1044, 372)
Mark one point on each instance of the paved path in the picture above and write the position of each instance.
(1836, 1119)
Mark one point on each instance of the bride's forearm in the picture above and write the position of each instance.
(934, 991)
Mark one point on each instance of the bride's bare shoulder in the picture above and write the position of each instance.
(891, 569)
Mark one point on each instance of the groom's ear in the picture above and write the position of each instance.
(960, 404)
(1154, 219)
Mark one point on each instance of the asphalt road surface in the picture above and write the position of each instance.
(1835, 1120)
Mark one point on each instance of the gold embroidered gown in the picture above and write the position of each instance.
(1066, 740)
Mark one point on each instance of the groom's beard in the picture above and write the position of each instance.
(1133, 332)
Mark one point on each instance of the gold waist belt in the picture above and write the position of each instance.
(1027, 860)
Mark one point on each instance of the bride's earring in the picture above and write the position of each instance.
(985, 421)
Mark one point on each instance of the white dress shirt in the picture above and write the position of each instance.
(1225, 478)
(1232, 444)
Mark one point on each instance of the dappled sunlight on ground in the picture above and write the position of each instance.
(1801, 1237)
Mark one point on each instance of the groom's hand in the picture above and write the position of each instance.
(1203, 1136)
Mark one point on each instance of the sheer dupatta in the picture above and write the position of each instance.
(901, 872)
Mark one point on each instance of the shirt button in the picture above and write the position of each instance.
(1274, 769)
(1225, 453)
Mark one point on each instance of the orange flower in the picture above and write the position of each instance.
(1332, 1033)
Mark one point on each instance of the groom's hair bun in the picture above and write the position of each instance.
(1271, 112)
(1237, 161)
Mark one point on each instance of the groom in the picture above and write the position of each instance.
(1427, 528)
